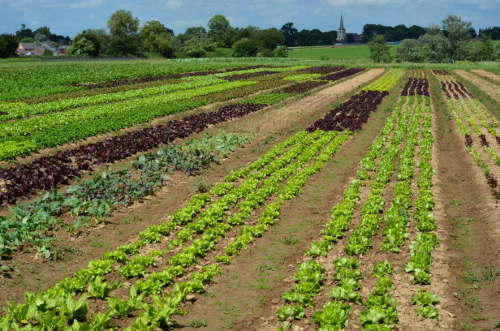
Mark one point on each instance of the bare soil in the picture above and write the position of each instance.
(487, 74)
(489, 88)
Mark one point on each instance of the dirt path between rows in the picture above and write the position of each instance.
(487, 74)
(268, 127)
(467, 263)
(489, 88)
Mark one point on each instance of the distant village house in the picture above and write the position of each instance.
(35, 49)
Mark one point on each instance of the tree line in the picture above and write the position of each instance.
(453, 40)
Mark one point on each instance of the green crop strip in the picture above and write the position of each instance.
(268, 98)
(386, 82)
(64, 104)
(302, 77)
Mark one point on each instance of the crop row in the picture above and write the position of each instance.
(321, 69)
(454, 89)
(386, 82)
(164, 77)
(294, 167)
(471, 117)
(352, 114)
(416, 86)
(342, 74)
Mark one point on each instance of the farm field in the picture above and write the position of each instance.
(248, 195)
(343, 53)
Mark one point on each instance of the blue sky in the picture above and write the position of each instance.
(68, 17)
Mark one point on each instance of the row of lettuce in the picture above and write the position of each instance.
(407, 136)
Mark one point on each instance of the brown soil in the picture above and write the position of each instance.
(487, 74)
(469, 234)
(268, 126)
(489, 88)
(262, 273)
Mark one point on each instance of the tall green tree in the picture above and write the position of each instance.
(379, 51)
(8, 45)
(220, 31)
(458, 33)
(91, 42)
(156, 38)
(124, 37)
(269, 39)
(410, 51)
(290, 33)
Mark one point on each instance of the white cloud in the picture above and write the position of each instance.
(173, 4)
(86, 4)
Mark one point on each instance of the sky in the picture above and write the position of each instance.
(69, 17)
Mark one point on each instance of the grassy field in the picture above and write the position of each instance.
(343, 53)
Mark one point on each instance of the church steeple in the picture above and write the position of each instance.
(341, 34)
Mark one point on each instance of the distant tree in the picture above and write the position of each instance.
(220, 31)
(84, 47)
(24, 32)
(94, 43)
(458, 33)
(269, 39)
(40, 37)
(290, 34)
(124, 38)
(156, 38)
(409, 51)
(434, 47)
(245, 47)
(198, 32)
(280, 51)
(497, 52)
(493, 32)
(415, 31)
(44, 30)
(246, 32)
(486, 49)
(379, 51)
(330, 37)
(8, 45)
(349, 38)
(193, 48)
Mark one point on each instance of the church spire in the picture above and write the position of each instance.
(341, 33)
